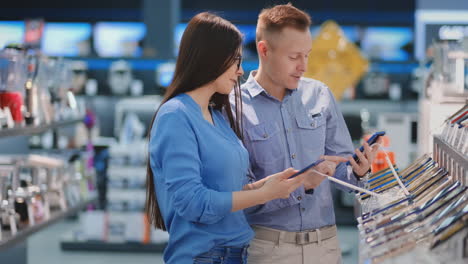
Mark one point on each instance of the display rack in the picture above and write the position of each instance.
(450, 158)
(122, 227)
(133, 247)
(456, 248)
(9, 241)
(32, 130)
(13, 248)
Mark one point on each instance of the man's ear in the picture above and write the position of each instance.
(262, 48)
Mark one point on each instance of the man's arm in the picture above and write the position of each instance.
(338, 143)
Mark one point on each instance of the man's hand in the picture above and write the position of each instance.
(336, 159)
(365, 159)
(313, 179)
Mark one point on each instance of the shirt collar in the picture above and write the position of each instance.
(254, 88)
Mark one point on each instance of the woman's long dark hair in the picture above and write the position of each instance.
(209, 46)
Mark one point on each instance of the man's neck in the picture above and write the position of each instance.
(269, 85)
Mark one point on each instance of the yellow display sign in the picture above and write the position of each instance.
(334, 60)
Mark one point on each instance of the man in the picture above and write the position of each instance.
(291, 121)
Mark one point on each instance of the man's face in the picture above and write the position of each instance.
(286, 59)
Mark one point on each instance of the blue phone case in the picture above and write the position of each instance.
(371, 141)
(306, 168)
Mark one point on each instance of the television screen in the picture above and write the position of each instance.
(178, 32)
(165, 73)
(11, 32)
(248, 31)
(249, 46)
(388, 43)
(119, 39)
(66, 39)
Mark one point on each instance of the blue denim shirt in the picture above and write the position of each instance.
(294, 133)
(196, 167)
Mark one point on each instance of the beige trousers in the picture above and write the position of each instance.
(267, 252)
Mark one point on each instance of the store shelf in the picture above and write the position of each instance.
(378, 106)
(128, 188)
(100, 246)
(144, 64)
(9, 241)
(452, 159)
(31, 130)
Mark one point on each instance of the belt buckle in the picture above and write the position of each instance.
(302, 238)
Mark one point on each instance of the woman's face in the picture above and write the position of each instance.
(226, 82)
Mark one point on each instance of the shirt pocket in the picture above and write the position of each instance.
(311, 128)
(266, 142)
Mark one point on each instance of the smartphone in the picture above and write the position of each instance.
(306, 168)
(371, 141)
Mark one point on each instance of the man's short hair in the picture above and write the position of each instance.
(275, 19)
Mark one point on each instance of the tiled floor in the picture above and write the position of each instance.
(43, 247)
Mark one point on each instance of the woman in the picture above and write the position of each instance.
(197, 161)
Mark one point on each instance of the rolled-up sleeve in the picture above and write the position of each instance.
(174, 150)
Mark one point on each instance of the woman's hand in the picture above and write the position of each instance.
(279, 186)
(272, 187)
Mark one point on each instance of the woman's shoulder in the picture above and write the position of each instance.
(171, 114)
(174, 106)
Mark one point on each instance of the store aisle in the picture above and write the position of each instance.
(44, 247)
